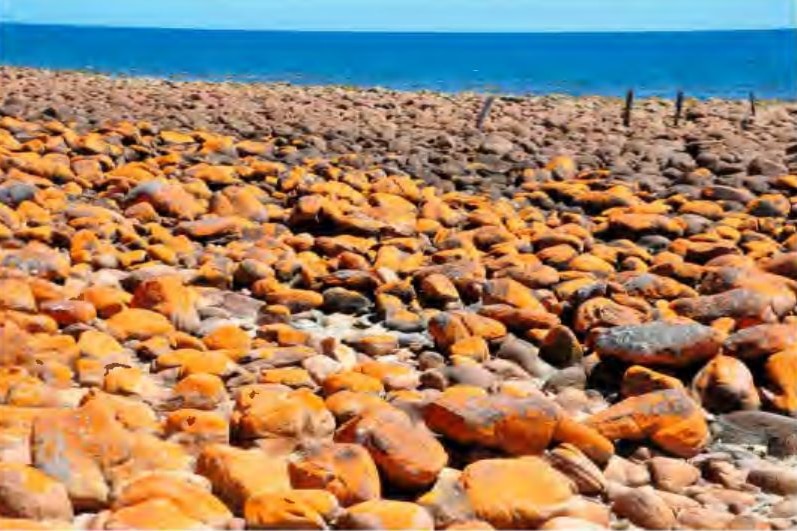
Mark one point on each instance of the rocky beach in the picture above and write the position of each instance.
(230, 306)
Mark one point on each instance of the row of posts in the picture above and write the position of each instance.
(629, 105)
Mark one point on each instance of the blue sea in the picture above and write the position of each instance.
(703, 64)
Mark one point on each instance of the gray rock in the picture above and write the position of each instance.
(659, 343)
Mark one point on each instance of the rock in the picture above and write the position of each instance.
(726, 384)
(639, 380)
(644, 508)
(28, 493)
(701, 518)
(345, 470)
(757, 342)
(672, 475)
(345, 301)
(781, 373)
(520, 503)
(291, 509)
(668, 418)
(295, 414)
(659, 343)
(585, 475)
(138, 324)
(519, 426)
(561, 348)
(446, 501)
(777, 480)
(192, 500)
(407, 454)
(238, 474)
(386, 514)
(497, 145)
(764, 166)
(786, 508)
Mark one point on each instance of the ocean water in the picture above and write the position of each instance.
(703, 64)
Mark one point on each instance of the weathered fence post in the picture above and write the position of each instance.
(488, 103)
(679, 106)
(629, 103)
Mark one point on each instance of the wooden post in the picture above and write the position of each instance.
(488, 103)
(679, 106)
(752, 104)
(629, 103)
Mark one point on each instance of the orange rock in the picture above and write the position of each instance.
(519, 426)
(16, 294)
(725, 384)
(406, 453)
(199, 391)
(296, 414)
(228, 337)
(156, 513)
(473, 347)
(512, 293)
(668, 418)
(438, 289)
(290, 509)
(291, 376)
(760, 341)
(168, 296)
(196, 428)
(138, 324)
(376, 345)
(68, 313)
(601, 312)
(352, 381)
(519, 503)
(237, 475)
(74, 447)
(283, 334)
(639, 380)
(99, 345)
(106, 300)
(346, 405)
(192, 500)
(345, 470)
(781, 388)
(25, 492)
(386, 514)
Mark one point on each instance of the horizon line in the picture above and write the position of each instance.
(385, 30)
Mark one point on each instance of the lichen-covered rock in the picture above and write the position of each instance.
(345, 470)
(290, 509)
(26, 492)
(781, 387)
(519, 426)
(760, 341)
(668, 418)
(191, 499)
(725, 384)
(407, 454)
(238, 474)
(659, 343)
(519, 503)
(386, 514)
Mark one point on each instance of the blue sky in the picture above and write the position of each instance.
(412, 15)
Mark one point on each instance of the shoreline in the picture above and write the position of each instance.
(255, 82)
